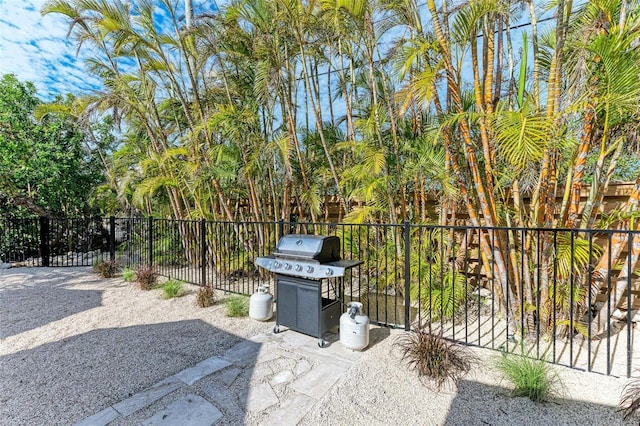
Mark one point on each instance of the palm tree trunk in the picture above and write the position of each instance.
(486, 199)
(534, 41)
(579, 165)
(396, 149)
(346, 93)
(289, 111)
(497, 93)
(318, 116)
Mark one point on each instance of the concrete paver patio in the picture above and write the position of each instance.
(288, 374)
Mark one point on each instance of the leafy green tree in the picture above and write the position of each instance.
(44, 169)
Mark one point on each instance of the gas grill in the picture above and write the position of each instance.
(305, 267)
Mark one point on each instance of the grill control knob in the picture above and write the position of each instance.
(309, 269)
(329, 272)
(287, 266)
(277, 264)
(298, 268)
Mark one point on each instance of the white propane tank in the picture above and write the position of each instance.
(354, 327)
(261, 304)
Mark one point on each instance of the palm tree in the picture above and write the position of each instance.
(271, 105)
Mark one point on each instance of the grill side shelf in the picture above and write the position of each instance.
(345, 263)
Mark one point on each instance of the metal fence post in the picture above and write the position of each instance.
(281, 228)
(629, 305)
(203, 251)
(44, 241)
(407, 275)
(150, 234)
(112, 238)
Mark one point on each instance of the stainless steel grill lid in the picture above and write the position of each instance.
(307, 256)
(312, 247)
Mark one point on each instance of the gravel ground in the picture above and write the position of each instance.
(381, 390)
(72, 344)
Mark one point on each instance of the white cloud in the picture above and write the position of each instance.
(35, 48)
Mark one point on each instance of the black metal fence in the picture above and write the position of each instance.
(47, 241)
(568, 296)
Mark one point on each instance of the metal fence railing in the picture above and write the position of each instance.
(568, 296)
(47, 241)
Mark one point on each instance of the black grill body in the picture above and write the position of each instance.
(303, 306)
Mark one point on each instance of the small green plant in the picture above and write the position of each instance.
(171, 289)
(237, 306)
(128, 275)
(434, 357)
(531, 377)
(206, 297)
(106, 268)
(147, 277)
(630, 401)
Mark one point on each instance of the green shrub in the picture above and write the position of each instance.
(106, 268)
(206, 297)
(171, 289)
(434, 357)
(531, 377)
(147, 277)
(237, 306)
(128, 275)
(630, 402)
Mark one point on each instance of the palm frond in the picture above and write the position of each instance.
(522, 136)
(573, 254)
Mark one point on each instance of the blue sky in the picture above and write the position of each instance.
(35, 48)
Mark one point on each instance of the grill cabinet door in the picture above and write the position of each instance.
(307, 310)
(298, 304)
(287, 303)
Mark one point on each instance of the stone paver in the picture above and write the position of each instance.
(296, 340)
(260, 397)
(223, 398)
(291, 411)
(147, 397)
(282, 377)
(202, 369)
(101, 418)
(243, 354)
(192, 410)
(302, 366)
(269, 351)
(319, 380)
(230, 376)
